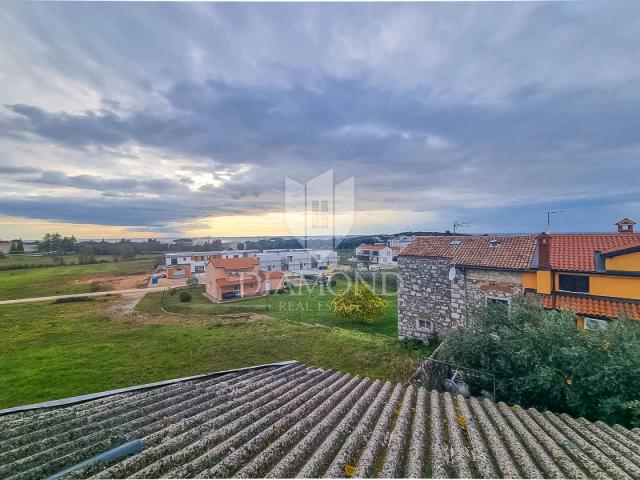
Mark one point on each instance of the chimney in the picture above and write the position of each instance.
(543, 243)
(625, 225)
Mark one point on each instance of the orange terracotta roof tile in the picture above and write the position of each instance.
(575, 251)
(371, 247)
(512, 253)
(597, 307)
(234, 263)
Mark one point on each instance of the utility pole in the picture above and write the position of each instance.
(549, 213)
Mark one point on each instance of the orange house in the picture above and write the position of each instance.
(444, 278)
(228, 278)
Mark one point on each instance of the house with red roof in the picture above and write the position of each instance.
(443, 279)
(379, 255)
(228, 278)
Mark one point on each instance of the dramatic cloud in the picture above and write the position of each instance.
(170, 114)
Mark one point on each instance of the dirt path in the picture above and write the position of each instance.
(139, 291)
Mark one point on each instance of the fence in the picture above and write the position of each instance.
(436, 373)
(270, 306)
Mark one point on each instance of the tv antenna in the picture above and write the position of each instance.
(457, 225)
(549, 213)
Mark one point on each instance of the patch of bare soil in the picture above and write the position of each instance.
(106, 283)
(126, 304)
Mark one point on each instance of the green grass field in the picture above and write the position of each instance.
(50, 351)
(25, 261)
(68, 279)
(302, 304)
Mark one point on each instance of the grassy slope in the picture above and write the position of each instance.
(52, 351)
(302, 304)
(39, 282)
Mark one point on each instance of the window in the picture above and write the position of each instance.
(574, 283)
(174, 261)
(595, 324)
(199, 269)
(497, 303)
(424, 325)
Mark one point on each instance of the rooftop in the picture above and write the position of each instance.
(289, 420)
(364, 246)
(593, 306)
(575, 251)
(509, 252)
(234, 263)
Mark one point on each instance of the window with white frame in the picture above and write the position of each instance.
(424, 325)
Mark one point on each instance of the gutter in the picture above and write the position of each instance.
(93, 396)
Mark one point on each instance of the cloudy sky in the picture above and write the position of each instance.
(121, 119)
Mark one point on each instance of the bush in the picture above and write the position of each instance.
(358, 302)
(185, 297)
(541, 359)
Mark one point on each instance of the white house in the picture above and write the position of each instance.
(323, 259)
(374, 255)
(297, 260)
(270, 261)
(239, 253)
(186, 264)
(30, 247)
(402, 241)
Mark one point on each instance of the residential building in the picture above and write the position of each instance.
(297, 260)
(444, 278)
(239, 253)
(270, 262)
(401, 241)
(323, 259)
(5, 247)
(228, 278)
(395, 251)
(186, 264)
(289, 420)
(367, 255)
(30, 247)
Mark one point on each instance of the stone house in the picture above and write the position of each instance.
(443, 279)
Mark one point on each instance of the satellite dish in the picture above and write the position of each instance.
(452, 274)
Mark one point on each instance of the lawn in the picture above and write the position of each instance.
(50, 351)
(68, 279)
(9, 262)
(302, 304)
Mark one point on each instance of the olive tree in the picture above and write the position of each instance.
(541, 359)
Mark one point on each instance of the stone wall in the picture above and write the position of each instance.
(429, 304)
(424, 294)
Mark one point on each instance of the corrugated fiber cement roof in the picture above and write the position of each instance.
(296, 420)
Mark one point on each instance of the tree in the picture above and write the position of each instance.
(126, 250)
(17, 246)
(359, 302)
(85, 254)
(541, 359)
